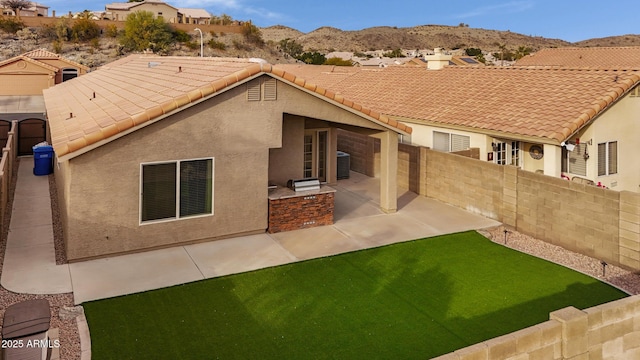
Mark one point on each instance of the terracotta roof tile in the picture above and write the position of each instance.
(624, 57)
(546, 103)
(137, 89)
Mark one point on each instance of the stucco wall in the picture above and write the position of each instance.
(287, 162)
(25, 78)
(103, 192)
(169, 14)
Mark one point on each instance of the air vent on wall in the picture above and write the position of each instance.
(253, 91)
(270, 90)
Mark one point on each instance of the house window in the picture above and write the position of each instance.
(577, 161)
(507, 153)
(608, 158)
(69, 73)
(450, 142)
(177, 189)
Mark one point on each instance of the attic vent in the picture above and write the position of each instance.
(270, 90)
(635, 92)
(253, 91)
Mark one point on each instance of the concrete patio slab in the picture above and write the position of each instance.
(236, 255)
(316, 242)
(350, 205)
(127, 274)
(385, 229)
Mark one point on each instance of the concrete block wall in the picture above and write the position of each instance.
(629, 229)
(477, 186)
(408, 167)
(578, 217)
(609, 331)
(361, 149)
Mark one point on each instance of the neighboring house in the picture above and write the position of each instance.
(160, 9)
(156, 151)
(576, 123)
(35, 9)
(194, 16)
(621, 57)
(22, 79)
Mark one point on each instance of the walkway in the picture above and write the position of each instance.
(29, 260)
(359, 224)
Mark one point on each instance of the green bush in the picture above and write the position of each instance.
(217, 45)
(338, 62)
(252, 34)
(111, 30)
(143, 31)
(181, 36)
(11, 25)
(85, 30)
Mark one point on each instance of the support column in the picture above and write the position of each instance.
(552, 160)
(388, 170)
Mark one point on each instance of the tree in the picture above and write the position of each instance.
(394, 54)
(16, 5)
(84, 29)
(523, 51)
(142, 31)
(312, 58)
(338, 62)
(290, 47)
(473, 51)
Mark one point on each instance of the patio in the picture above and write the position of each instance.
(359, 224)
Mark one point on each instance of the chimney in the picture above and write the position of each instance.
(438, 60)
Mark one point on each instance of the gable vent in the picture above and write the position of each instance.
(253, 91)
(635, 92)
(270, 90)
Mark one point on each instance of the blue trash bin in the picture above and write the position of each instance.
(42, 160)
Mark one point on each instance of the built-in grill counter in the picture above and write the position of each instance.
(304, 203)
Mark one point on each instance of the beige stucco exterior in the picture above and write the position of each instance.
(621, 123)
(159, 10)
(252, 143)
(25, 78)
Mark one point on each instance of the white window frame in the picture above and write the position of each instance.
(512, 150)
(607, 157)
(466, 139)
(177, 194)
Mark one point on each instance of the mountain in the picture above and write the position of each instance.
(326, 39)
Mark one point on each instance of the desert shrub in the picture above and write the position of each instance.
(338, 62)
(181, 36)
(47, 31)
(11, 25)
(252, 34)
(85, 30)
(217, 45)
(143, 31)
(473, 51)
(111, 30)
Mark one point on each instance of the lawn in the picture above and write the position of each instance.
(411, 300)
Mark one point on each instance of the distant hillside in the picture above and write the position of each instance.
(327, 39)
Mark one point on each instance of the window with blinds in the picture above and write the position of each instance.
(608, 158)
(175, 190)
(577, 163)
(450, 142)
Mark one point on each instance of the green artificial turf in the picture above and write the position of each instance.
(411, 300)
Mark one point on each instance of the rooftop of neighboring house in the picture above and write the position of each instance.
(129, 5)
(194, 13)
(625, 57)
(547, 105)
(42, 54)
(139, 89)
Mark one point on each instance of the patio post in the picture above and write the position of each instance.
(388, 170)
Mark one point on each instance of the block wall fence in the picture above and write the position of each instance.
(601, 223)
(608, 331)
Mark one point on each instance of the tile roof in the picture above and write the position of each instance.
(129, 5)
(595, 57)
(30, 60)
(545, 104)
(194, 13)
(138, 89)
(44, 54)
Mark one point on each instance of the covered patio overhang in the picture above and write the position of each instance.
(309, 149)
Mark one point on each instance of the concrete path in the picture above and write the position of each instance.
(29, 261)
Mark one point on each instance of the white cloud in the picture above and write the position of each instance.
(505, 8)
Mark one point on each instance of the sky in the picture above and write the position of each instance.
(570, 20)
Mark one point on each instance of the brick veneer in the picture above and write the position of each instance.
(300, 212)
